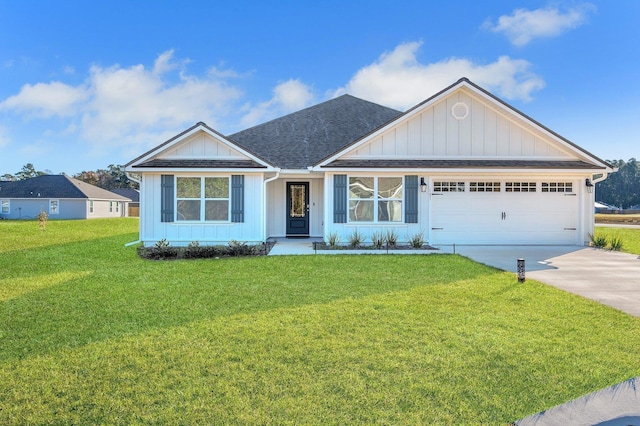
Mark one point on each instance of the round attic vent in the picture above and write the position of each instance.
(460, 110)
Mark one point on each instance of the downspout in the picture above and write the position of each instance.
(130, 176)
(264, 203)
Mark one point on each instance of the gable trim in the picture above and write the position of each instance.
(482, 93)
(200, 126)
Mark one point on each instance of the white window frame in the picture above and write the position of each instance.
(56, 209)
(90, 206)
(203, 200)
(559, 187)
(376, 200)
(4, 203)
(485, 186)
(449, 186)
(117, 206)
(515, 187)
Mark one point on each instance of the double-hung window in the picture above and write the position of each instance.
(53, 206)
(5, 206)
(202, 199)
(375, 199)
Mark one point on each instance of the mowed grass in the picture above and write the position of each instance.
(630, 237)
(90, 333)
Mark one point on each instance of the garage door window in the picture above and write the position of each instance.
(557, 187)
(448, 186)
(484, 186)
(375, 199)
(520, 187)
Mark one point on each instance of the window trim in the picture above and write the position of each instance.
(202, 199)
(556, 187)
(91, 206)
(57, 209)
(376, 200)
(2, 204)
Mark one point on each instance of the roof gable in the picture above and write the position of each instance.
(463, 122)
(198, 147)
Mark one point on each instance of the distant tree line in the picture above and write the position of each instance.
(112, 177)
(621, 189)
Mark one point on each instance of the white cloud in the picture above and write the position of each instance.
(398, 80)
(289, 96)
(524, 25)
(46, 99)
(4, 139)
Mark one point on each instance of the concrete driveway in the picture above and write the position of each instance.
(611, 278)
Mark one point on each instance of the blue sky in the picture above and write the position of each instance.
(87, 84)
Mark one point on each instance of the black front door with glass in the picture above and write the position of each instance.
(297, 209)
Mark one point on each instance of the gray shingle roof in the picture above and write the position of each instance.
(301, 139)
(462, 164)
(55, 186)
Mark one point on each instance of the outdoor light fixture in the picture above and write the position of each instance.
(423, 185)
(589, 185)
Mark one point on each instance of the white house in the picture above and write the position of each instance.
(462, 167)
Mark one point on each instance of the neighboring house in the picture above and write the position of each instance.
(134, 196)
(61, 197)
(462, 167)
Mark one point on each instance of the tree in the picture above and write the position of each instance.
(27, 172)
(621, 189)
(111, 178)
(8, 177)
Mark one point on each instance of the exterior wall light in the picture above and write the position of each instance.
(423, 185)
(589, 185)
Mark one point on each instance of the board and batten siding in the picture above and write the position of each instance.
(202, 146)
(404, 230)
(484, 133)
(182, 233)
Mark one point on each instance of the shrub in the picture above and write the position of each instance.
(616, 243)
(333, 239)
(598, 241)
(378, 239)
(238, 248)
(391, 237)
(193, 250)
(417, 241)
(356, 239)
(42, 219)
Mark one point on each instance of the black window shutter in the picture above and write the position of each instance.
(340, 199)
(237, 198)
(166, 198)
(411, 191)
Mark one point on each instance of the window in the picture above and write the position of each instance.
(557, 187)
(375, 199)
(117, 206)
(484, 186)
(201, 199)
(110, 206)
(520, 187)
(5, 205)
(91, 206)
(53, 206)
(448, 186)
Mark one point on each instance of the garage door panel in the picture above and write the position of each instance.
(504, 218)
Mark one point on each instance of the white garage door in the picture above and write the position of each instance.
(504, 212)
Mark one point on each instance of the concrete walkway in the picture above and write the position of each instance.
(611, 278)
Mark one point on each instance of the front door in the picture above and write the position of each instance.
(297, 209)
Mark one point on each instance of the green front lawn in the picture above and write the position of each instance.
(90, 333)
(630, 237)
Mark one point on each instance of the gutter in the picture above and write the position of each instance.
(264, 202)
